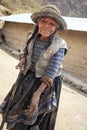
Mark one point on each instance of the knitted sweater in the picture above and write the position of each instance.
(56, 60)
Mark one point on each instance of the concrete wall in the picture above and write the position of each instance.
(76, 59)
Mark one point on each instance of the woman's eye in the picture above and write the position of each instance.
(43, 21)
(52, 24)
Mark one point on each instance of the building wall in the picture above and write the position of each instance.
(17, 33)
(76, 59)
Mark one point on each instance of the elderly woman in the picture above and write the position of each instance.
(37, 88)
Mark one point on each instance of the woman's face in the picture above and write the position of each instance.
(47, 26)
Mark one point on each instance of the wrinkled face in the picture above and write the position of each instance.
(47, 26)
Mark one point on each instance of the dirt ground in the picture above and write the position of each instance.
(72, 114)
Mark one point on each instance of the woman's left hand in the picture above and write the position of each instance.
(33, 107)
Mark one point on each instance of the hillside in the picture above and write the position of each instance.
(74, 8)
(20, 6)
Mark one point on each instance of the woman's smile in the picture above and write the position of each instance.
(47, 26)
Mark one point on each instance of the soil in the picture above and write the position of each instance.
(72, 114)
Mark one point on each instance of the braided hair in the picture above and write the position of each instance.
(29, 40)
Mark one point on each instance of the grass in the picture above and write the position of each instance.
(20, 6)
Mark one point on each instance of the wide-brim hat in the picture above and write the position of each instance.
(53, 12)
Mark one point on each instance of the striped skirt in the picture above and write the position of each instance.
(45, 117)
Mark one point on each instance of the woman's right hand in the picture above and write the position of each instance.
(21, 64)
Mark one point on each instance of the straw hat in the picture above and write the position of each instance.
(50, 11)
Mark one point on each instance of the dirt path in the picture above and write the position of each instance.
(72, 113)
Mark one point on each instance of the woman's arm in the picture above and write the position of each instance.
(47, 80)
(52, 69)
(55, 63)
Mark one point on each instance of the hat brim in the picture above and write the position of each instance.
(61, 22)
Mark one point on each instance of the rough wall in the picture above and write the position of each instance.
(76, 59)
(16, 34)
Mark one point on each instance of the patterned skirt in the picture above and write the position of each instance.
(45, 117)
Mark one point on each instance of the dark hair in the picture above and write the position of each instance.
(32, 36)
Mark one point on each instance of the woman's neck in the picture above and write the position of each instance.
(44, 38)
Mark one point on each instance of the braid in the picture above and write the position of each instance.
(32, 36)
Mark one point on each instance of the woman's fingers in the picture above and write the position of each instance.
(30, 110)
(33, 107)
(17, 66)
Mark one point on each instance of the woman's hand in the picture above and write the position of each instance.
(21, 64)
(33, 107)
